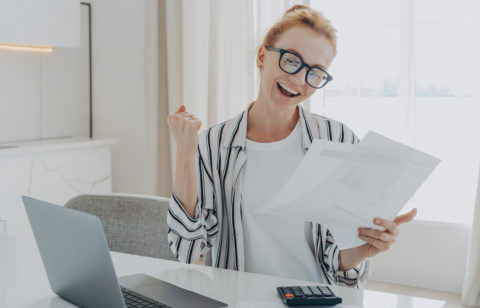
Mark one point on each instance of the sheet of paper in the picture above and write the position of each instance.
(312, 168)
(345, 186)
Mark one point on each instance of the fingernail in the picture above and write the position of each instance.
(378, 221)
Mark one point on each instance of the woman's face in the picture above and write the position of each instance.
(313, 48)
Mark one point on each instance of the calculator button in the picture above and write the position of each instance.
(289, 295)
(297, 291)
(307, 291)
(326, 291)
(286, 290)
(316, 291)
(298, 294)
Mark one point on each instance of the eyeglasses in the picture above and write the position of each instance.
(291, 63)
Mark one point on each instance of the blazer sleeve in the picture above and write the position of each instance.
(354, 277)
(191, 237)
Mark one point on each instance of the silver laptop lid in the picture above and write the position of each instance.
(75, 254)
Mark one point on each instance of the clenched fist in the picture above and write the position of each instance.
(184, 127)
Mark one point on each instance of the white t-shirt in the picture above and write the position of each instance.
(274, 245)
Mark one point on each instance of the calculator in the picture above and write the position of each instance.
(308, 295)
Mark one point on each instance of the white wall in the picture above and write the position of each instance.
(40, 22)
(36, 103)
(44, 95)
(427, 254)
(124, 54)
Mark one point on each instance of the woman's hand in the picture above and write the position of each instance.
(184, 127)
(379, 241)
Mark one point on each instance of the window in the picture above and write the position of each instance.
(409, 69)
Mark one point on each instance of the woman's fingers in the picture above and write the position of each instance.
(405, 217)
(387, 224)
(186, 116)
(377, 234)
(181, 108)
(184, 126)
(183, 115)
(183, 112)
(380, 245)
(382, 240)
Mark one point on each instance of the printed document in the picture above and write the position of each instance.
(344, 186)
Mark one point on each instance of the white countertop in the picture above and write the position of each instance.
(13, 148)
(23, 282)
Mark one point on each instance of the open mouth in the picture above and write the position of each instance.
(287, 91)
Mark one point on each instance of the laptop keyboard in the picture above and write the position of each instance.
(135, 300)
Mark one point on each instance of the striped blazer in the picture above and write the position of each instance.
(218, 226)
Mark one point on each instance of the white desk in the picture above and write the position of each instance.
(23, 282)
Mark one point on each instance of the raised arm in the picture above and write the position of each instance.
(184, 127)
(191, 219)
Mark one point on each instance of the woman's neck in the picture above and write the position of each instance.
(266, 124)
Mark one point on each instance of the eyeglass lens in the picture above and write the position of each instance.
(290, 64)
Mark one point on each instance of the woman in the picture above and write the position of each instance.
(226, 173)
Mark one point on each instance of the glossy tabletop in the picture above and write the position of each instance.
(23, 282)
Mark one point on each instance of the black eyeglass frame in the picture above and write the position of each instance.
(284, 51)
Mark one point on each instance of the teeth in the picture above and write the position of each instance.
(288, 89)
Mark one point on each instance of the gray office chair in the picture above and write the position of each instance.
(134, 224)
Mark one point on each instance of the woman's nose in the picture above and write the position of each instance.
(300, 77)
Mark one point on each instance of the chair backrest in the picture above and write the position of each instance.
(134, 224)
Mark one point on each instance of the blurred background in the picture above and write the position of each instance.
(85, 109)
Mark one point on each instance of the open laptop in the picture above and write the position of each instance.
(79, 267)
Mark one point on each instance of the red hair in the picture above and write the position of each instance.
(302, 15)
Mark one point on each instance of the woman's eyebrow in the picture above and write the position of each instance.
(296, 52)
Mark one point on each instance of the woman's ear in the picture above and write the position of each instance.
(260, 57)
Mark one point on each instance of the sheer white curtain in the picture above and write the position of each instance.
(211, 48)
(471, 285)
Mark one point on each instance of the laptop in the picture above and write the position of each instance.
(79, 267)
